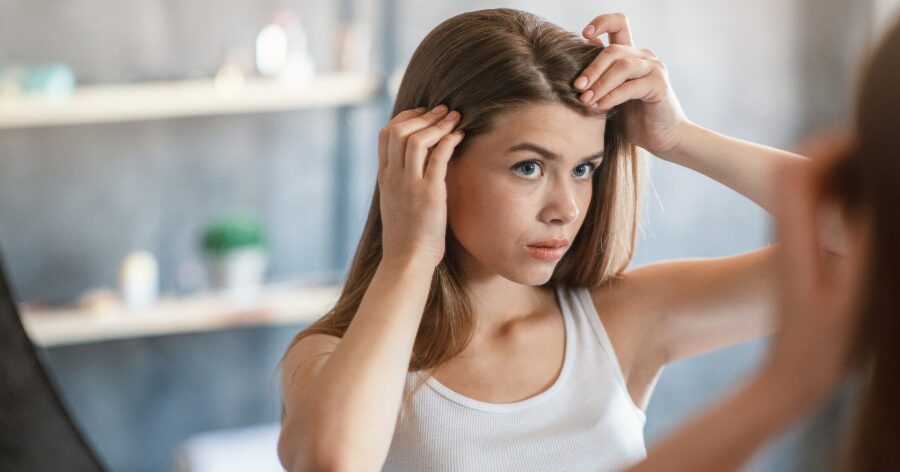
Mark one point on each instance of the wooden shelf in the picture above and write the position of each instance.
(282, 304)
(153, 100)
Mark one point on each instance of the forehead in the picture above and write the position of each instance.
(553, 126)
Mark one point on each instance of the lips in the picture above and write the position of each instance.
(546, 253)
(548, 250)
(551, 243)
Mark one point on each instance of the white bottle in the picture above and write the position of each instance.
(282, 50)
(139, 280)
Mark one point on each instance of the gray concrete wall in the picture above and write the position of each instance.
(74, 200)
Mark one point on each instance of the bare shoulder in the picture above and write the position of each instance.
(303, 360)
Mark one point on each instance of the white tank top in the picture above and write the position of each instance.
(585, 421)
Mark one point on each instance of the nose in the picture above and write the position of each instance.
(561, 205)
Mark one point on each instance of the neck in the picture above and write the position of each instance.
(497, 302)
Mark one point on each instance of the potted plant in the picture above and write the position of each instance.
(236, 253)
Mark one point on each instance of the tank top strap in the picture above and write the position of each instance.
(585, 315)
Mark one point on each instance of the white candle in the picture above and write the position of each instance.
(139, 280)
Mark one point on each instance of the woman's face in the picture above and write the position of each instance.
(524, 184)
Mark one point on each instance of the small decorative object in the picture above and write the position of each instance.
(139, 280)
(236, 251)
(54, 82)
(229, 79)
(237, 63)
(282, 51)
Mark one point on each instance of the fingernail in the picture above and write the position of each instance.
(439, 109)
(581, 82)
(587, 96)
(589, 30)
(421, 109)
(453, 115)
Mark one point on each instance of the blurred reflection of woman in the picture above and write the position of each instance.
(839, 223)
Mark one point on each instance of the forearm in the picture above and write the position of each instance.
(727, 435)
(350, 408)
(745, 167)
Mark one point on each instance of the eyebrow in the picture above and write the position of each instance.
(546, 153)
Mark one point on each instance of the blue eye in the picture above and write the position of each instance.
(529, 168)
(589, 169)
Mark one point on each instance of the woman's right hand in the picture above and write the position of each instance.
(413, 151)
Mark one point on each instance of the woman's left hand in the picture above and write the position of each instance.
(624, 74)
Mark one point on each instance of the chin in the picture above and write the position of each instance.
(530, 273)
(514, 267)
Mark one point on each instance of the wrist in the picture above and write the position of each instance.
(407, 266)
(677, 148)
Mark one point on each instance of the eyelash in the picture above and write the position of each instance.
(592, 167)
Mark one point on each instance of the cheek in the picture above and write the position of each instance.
(584, 203)
(486, 215)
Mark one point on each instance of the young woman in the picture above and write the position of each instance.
(839, 223)
(487, 321)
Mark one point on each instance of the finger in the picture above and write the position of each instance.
(650, 89)
(384, 134)
(614, 24)
(407, 114)
(620, 72)
(598, 41)
(605, 59)
(436, 167)
(419, 143)
(640, 89)
(400, 131)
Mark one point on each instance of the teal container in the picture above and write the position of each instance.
(52, 81)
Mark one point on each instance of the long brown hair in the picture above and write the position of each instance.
(483, 63)
(868, 182)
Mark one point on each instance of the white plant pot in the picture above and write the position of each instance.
(239, 273)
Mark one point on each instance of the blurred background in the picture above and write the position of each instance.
(182, 185)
